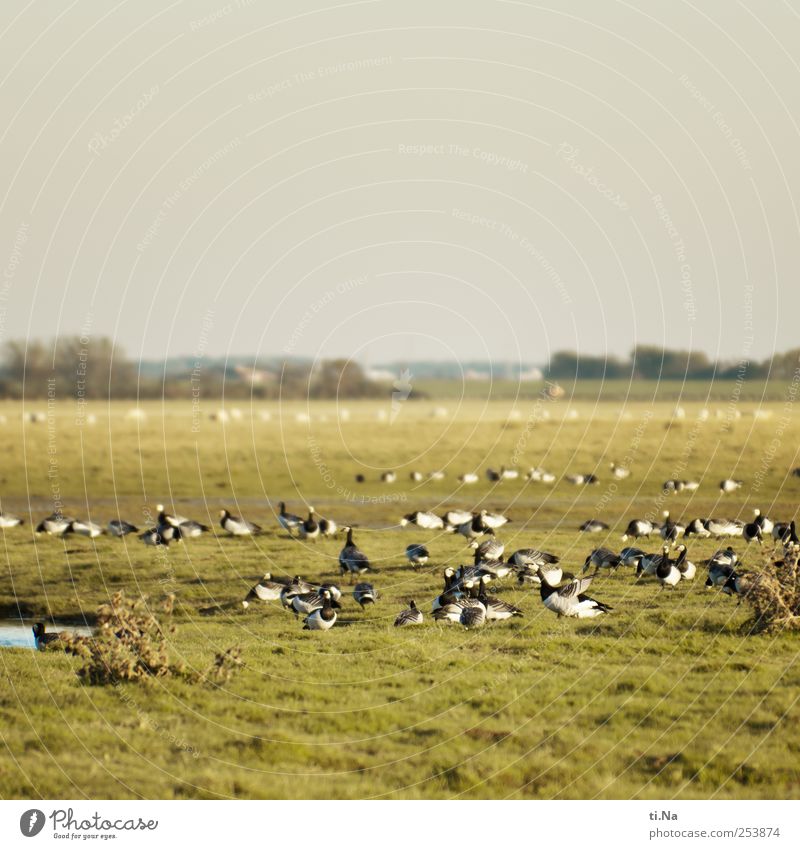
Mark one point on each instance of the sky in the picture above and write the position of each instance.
(393, 180)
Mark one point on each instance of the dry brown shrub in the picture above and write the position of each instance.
(773, 593)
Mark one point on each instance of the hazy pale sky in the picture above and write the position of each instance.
(399, 179)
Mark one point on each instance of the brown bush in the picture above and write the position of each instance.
(773, 593)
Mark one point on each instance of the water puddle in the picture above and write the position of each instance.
(16, 634)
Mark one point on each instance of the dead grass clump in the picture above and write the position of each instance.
(773, 594)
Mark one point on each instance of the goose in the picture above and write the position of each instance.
(360, 478)
(673, 485)
(468, 478)
(85, 529)
(752, 532)
(323, 618)
(763, 522)
(785, 533)
(412, 615)
(601, 558)
(265, 590)
(697, 527)
(493, 520)
(631, 556)
(727, 557)
(307, 603)
(670, 531)
(165, 518)
(297, 586)
(796, 472)
(473, 616)
(691, 485)
(740, 584)
(417, 554)
(723, 528)
(489, 549)
(236, 526)
(495, 569)
(309, 529)
(327, 527)
(474, 528)
(422, 519)
(352, 559)
(593, 526)
(388, 477)
(162, 535)
(581, 480)
(454, 603)
(492, 475)
(42, 639)
(364, 594)
(718, 574)
(9, 520)
(508, 474)
(288, 521)
(650, 562)
(571, 599)
(496, 609)
(620, 472)
(55, 525)
(667, 570)
(540, 475)
(687, 569)
(437, 475)
(192, 529)
(450, 592)
(119, 528)
(416, 477)
(532, 557)
(454, 518)
(638, 528)
(729, 485)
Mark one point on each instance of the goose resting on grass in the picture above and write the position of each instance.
(236, 526)
(410, 616)
(571, 599)
(265, 590)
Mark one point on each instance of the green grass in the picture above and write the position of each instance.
(667, 697)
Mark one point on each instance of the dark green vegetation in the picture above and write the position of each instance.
(666, 697)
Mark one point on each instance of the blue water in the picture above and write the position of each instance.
(19, 635)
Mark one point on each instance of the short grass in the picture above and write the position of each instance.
(667, 697)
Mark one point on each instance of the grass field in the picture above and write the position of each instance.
(668, 697)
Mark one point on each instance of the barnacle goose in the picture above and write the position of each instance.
(422, 519)
(454, 518)
(667, 570)
(120, 528)
(309, 529)
(752, 532)
(306, 603)
(236, 526)
(8, 520)
(416, 476)
(352, 559)
(785, 533)
(697, 527)
(670, 531)
(496, 609)
(473, 616)
(593, 526)
(602, 558)
(638, 528)
(437, 475)
(540, 475)
(323, 618)
(492, 475)
(288, 521)
(649, 563)
(687, 569)
(571, 599)
(297, 586)
(412, 615)
(364, 594)
(620, 472)
(55, 524)
(581, 480)
(42, 639)
(763, 522)
(162, 535)
(165, 518)
(468, 477)
(327, 527)
(417, 554)
(475, 527)
(532, 557)
(388, 477)
(723, 528)
(85, 528)
(265, 590)
(673, 485)
(489, 549)
(729, 485)
(631, 556)
(450, 592)
(740, 584)
(493, 520)
(455, 602)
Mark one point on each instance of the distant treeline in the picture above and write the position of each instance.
(92, 368)
(648, 362)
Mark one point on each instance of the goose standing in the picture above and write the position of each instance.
(422, 519)
(162, 535)
(192, 529)
(310, 527)
(388, 477)
(327, 527)
(670, 531)
(9, 520)
(449, 593)
(307, 603)
(119, 528)
(42, 639)
(468, 478)
(323, 618)
(352, 559)
(763, 522)
(740, 584)
(165, 518)
(571, 599)
(236, 526)
(417, 477)
(265, 590)
(437, 475)
(787, 534)
(687, 569)
(631, 556)
(417, 554)
(412, 615)
(723, 528)
(602, 558)
(496, 609)
(490, 549)
(752, 532)
(638, 528)
(297, 586)
(729, 485)
(288, 521)
(697, 527)
(364, 593)
(475, 527)
(620, 472)
(582, 480)
(667, 570)
(593, 526)
(55, 525)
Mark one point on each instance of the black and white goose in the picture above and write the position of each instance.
(417, 477)
(497, 610)
(602, 558)
(468, 478)
(417, 554)
(667, 571)
(310, 528)
(307, 603)
(649, 563)
(593, 526)
(454, 518)
(323, 618)
(412, 615)
(631, 557)
(352, 560)
(489, 549)
(620, 472)
(752, 532)
(450, 592)
(740, 584)
(364, 593)
(493, 521)
(719, 574)
(766, 524)
(388, 477)
(436, 475)
(9, 520)
(165, 518)
(785, 533)
(697, 527)
(723, 528)
(526, 558)
(162, 535)
(236, 526)
(41, 639)
(540, 475)
(729, 485)
(473, 616)
(85, 528)
(288, 521)
(423, 519)
(673, 485)
(474, 528)
(638, 528)
(327, 527)
(670, 531)
(454, 602)
(120, 528)
(571, 599)
(582, 480)
(685, 566)
(297, 586)
(265, 590)
(55, 525)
